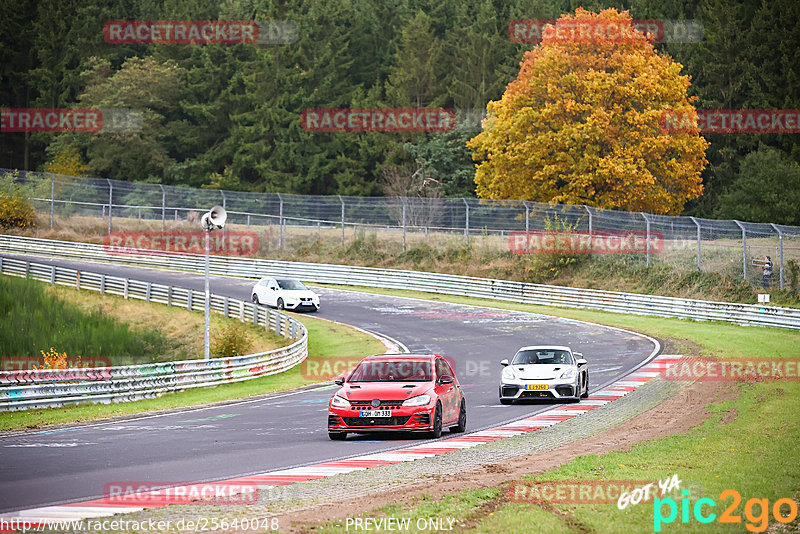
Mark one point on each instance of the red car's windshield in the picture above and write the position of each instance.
(392, 371)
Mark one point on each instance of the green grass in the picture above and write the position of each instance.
(77, 322)
(32, 319)
(754, 451)
(326, 339)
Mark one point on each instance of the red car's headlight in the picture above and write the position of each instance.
(340, 402)
(419, 400)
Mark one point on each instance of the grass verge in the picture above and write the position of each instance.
(326, 340)
(84, 323)
(748, 445)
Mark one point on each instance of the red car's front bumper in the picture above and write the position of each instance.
(402, 419)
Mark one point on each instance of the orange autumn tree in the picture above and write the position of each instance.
(581, 123)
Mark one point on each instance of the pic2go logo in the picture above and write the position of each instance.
(757, 521)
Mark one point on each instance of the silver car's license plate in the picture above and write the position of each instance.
(375, 413)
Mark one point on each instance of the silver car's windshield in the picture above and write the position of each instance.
(392, 371)
(543, 356)
(290, 284)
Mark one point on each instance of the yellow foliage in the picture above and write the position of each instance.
(67, 162)
(16, 211)
(581, 124)
(57, 360)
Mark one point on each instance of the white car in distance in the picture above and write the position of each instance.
(285, 294)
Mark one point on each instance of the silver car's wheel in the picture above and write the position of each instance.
(255, 299)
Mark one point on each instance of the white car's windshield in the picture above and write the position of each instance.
(290, 284)
(542, 356)
(391, 371)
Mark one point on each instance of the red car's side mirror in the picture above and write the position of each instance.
(446, 379)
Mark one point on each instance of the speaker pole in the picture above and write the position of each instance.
(206, 345)
(215, 218)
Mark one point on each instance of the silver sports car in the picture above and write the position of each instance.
(544, 372)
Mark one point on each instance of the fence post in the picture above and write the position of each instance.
(466, 221)
(403, 200)
(342, 201)
(110, 200)
(280, 222)
(52, 198)
(163, 208)
(698, 242)
(780, 253)
(744, 249)
(648, 237)
(590, 219)
(527, 218)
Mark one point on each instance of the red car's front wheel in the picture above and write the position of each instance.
(436, 431)
(462, 419)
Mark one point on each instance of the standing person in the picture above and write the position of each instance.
(767, 270)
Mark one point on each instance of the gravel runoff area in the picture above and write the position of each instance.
(346, 487)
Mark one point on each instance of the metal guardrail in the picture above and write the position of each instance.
(25, 389)
(710, 245)
(548, 295)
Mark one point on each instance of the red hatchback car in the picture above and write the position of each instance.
(390, 392)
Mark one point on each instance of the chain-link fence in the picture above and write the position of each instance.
(286, 221)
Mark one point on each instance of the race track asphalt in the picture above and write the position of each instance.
(287, 430)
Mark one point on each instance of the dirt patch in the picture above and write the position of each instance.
(729, 416)
(676, 415)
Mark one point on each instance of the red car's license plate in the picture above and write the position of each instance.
(375, 413)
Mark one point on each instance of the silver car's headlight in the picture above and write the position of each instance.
(340, 402)
(508, 373)
(569, 373)
(419, 400)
